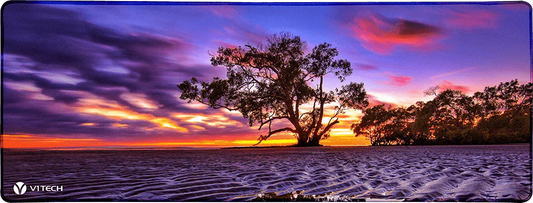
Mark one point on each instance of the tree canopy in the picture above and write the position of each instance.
(272, 82)
(499, 114)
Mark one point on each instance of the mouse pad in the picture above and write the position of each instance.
(248, 101)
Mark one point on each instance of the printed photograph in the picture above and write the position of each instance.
(247, 101)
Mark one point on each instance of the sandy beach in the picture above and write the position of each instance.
(404, 173)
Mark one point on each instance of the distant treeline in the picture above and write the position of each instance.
(498, 115)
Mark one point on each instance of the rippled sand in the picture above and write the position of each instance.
(413, 173)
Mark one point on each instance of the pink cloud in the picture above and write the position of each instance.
(444, 85)
(472, 19)
(399, 80)
(382, 35)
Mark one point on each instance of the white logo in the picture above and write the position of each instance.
(19, 188)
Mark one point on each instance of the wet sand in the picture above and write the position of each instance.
(405, 173)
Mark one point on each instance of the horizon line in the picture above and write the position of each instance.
(167, 147)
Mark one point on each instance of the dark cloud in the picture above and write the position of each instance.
(12, 97)
(50, 89)
(383, 35)
(40, 117)
(24, 116)
(102, 62)
(407, 27)
(44, 34)
(54, 36)
(57, 40)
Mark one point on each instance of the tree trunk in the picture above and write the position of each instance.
(314, 142)
(304, 141)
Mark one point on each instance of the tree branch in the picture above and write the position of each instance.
(336, 114)
(270, 120)
(217, 106)
(313, 124)
(322, 101)
(328, 127)
(265, 137)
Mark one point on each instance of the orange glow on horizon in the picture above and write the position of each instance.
(266, 142)
(39, 141)
(33, 141)
(340, 134)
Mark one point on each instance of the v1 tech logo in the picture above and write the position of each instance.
(19, 188)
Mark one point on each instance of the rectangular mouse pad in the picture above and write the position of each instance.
(246, 101)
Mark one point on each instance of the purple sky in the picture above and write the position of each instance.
(109, 72)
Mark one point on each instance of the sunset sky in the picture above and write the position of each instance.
(89, 75)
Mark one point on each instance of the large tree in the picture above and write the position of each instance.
(278, 81)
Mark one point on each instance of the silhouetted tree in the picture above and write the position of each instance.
(373, 125)
(506, 111)
(454, 116)
(399, 128)
(499, 114)
(272, 82)
(421, 128)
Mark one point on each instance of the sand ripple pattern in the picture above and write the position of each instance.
(412, 173)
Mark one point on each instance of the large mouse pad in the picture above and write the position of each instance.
(247, 101)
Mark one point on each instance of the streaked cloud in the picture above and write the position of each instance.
(120, 125)
(139, 100)
(340, 132)
(195, 105)
(32, 91)
(450, 73)
(113, 110)
(214, 120)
